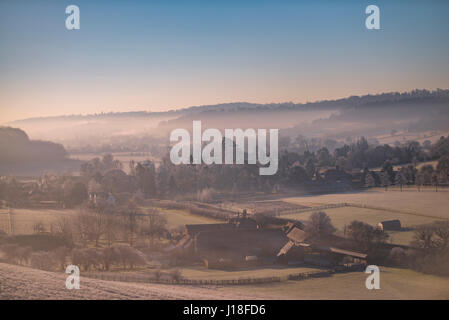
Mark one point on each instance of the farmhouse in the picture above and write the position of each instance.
(242, 242)
(333, 174)
(393, 225)
(238, 242)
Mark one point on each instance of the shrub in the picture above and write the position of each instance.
(110, 256)
(176, 275)
(86, 258)
(129, 256)
(366, 236)
(157, 274)
(430, 262)
(10, 252)
(23, 255)
(42, 260)
(60, 256)
(398, 256)
(319, 224)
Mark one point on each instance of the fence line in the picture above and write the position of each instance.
(364, 206)
(240, 281)
(318, 208)
(357, 205)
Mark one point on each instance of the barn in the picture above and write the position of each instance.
(242, 242)
(390, 225)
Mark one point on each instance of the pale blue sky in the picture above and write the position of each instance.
(159, 55)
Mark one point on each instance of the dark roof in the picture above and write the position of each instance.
(391, 222)
(297, 235)
(244, 222)
(194, 229)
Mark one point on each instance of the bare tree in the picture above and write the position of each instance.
(400, 178)
(86, 257)
(60, 256)
(423, 237)
(112, 228)
(42, 260)
(129, 257)
(91, 226)
(64, 226)
(385, 179)
(442, 233)
(365, 236)
(419, 180)
(23, 255)
(129, 221)
(109, 257)
(369, 180)
(38, 227)
(153, 225)
(319, 224)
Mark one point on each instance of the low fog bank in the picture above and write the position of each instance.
(389, 118)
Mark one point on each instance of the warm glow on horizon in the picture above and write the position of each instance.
(142, 60)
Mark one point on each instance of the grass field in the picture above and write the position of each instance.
(24, 219)
(425, 206)
(259, 272)
(25, 283)
(394, 284)
(427, 203)
(177, 218)
(432, 135)
(343, 216)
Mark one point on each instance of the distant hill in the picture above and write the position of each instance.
(20, 154)
(16, 147)
(420, 111)
(412, 97)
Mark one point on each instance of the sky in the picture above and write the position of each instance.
(163, 55)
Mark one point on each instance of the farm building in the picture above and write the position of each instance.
(333, 174)
(301, 248)
(242, 242)
(238, 242)
(393, 225)
(102, 198)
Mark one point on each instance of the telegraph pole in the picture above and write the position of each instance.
(11, 226)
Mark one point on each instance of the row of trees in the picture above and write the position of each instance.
(123, 224)
(432, 256)
(118, 256)
(294, 170)
(103, 176)
(410, 175)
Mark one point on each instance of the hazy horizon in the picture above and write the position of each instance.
(124, 110)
